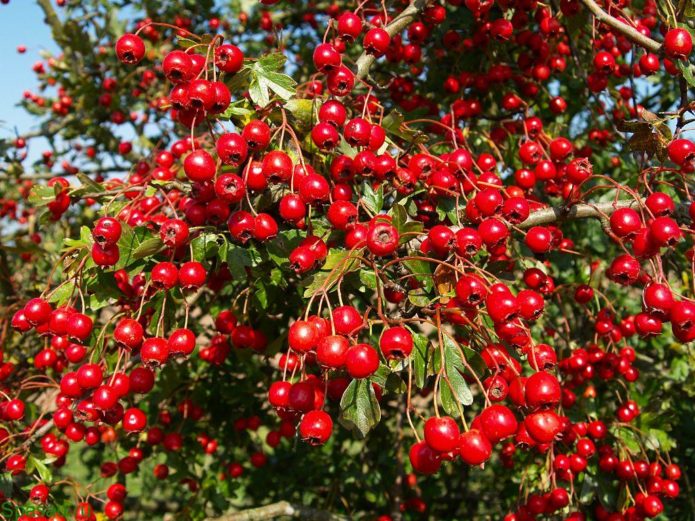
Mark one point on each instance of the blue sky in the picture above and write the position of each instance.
(21, 23)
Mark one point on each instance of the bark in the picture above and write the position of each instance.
(280, 509)
(405, 18)
(628, 31)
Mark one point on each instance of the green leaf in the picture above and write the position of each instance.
(281, 84)
(345, 148)
(147, 248)
(280, 248)
(628, 438)
(260, 294)
(240, 111)
(588, 489)
(240, 79)
(265, 77)
(392, 124)
(62, 294)
(658, 439)
(422, 272)
(303, 109)
(368, 278)
(688, 71)
(272, 62)
(6, 484)
(689, 10)
(421, 359)
(259, 93)
(38, 465)
(359, 407)
(102, 290)
(205, 246)
(454, 387)
(238, 259)
(342, 260)
(88, 186)
(42, 195)
(446, 208)
(373, 200)
(398, 216)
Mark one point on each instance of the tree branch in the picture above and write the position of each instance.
(629, 32)
(51, 19)
(577, 211)
(281, 508)
(406, 17)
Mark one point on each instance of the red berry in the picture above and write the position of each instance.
(474, 447)
(316, 427)
(130, 49)
(134, 420)
(361, 361)
(442, 434)
(396, 343)
(678, 43)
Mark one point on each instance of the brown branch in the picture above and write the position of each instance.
(406, 17)
(280, 509)
(629, 32)
(577, 211)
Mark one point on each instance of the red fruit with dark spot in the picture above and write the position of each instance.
(396, 342)
(382, 239)
(130, 49)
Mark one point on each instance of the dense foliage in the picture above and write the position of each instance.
(351, 260)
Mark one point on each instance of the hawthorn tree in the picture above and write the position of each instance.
(341, 260)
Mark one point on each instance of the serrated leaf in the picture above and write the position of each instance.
(399, 216)
(337, 264)
(281, 84)
(40, 467)
(62, 294)
(240, 79)
(238, 259)
(345, 148)
(454, 387)
(272, 62)
(372, 199)
(42, 195)
(628, 438)
(359, 406)
(688, 72)
(239, 111)
(265, 77)
(147, 248)
(205, 246)
(393, 124)
(422, 272)
(260, 295)
(88, 185)
(368, 278)
(421, 359)
(258, 92)
(280, 248)
(102, 291)
(303, 109)
(659, 440)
